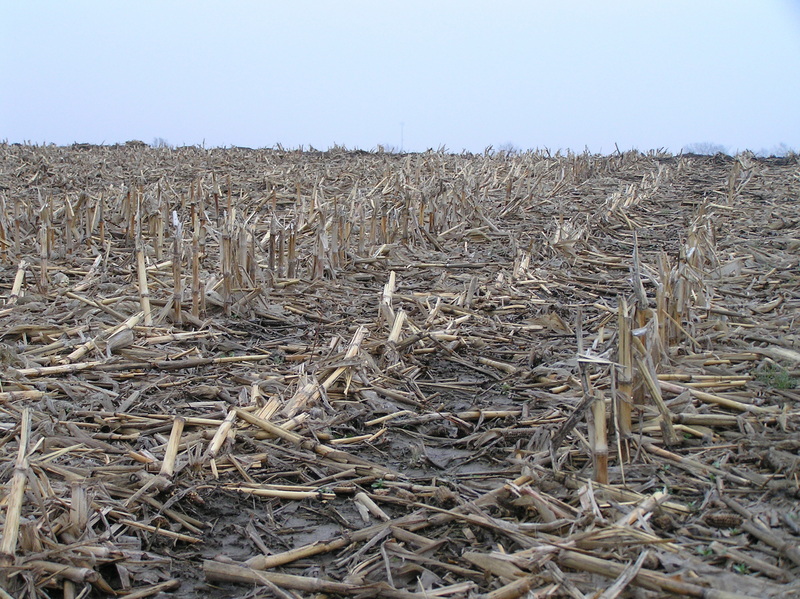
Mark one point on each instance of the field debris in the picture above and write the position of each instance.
(400, 375)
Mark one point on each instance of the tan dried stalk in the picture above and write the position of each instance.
(16, 495)
(17, 228)
(596, 417)
(69, 215)
(196, 285)
(101, 223)
(333, 243)
(4, 229)
(222, 434)
(16, 288)
(226, 258)
(272, 249)
(362, 227)
(171, 452)
(291, 271)
(161, 218)
(177, 267)
(144, 291)
(397, 327)
(281, 258)
(385, 309)
(129, 214)
(624, 396)
(598, 429)
(44, 245)
(78, 509)
(96, 342)
(647, 371)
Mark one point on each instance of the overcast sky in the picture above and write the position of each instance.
(461, 74)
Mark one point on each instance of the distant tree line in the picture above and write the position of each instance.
(707, 148)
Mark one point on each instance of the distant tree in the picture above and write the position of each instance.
(779, 151)
(508, 148)
(160, 142)
(705, 148)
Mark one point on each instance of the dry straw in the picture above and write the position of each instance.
(496, 375)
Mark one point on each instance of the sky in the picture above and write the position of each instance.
(404, 74)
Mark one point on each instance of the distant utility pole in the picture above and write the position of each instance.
(402, 127)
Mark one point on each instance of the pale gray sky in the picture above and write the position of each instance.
(463, 74)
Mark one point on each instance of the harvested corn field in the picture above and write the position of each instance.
(294, 374)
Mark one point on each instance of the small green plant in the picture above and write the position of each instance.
(705, 551)
(775, 376)
(741, 568)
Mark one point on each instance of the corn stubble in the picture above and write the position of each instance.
(498, 374)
